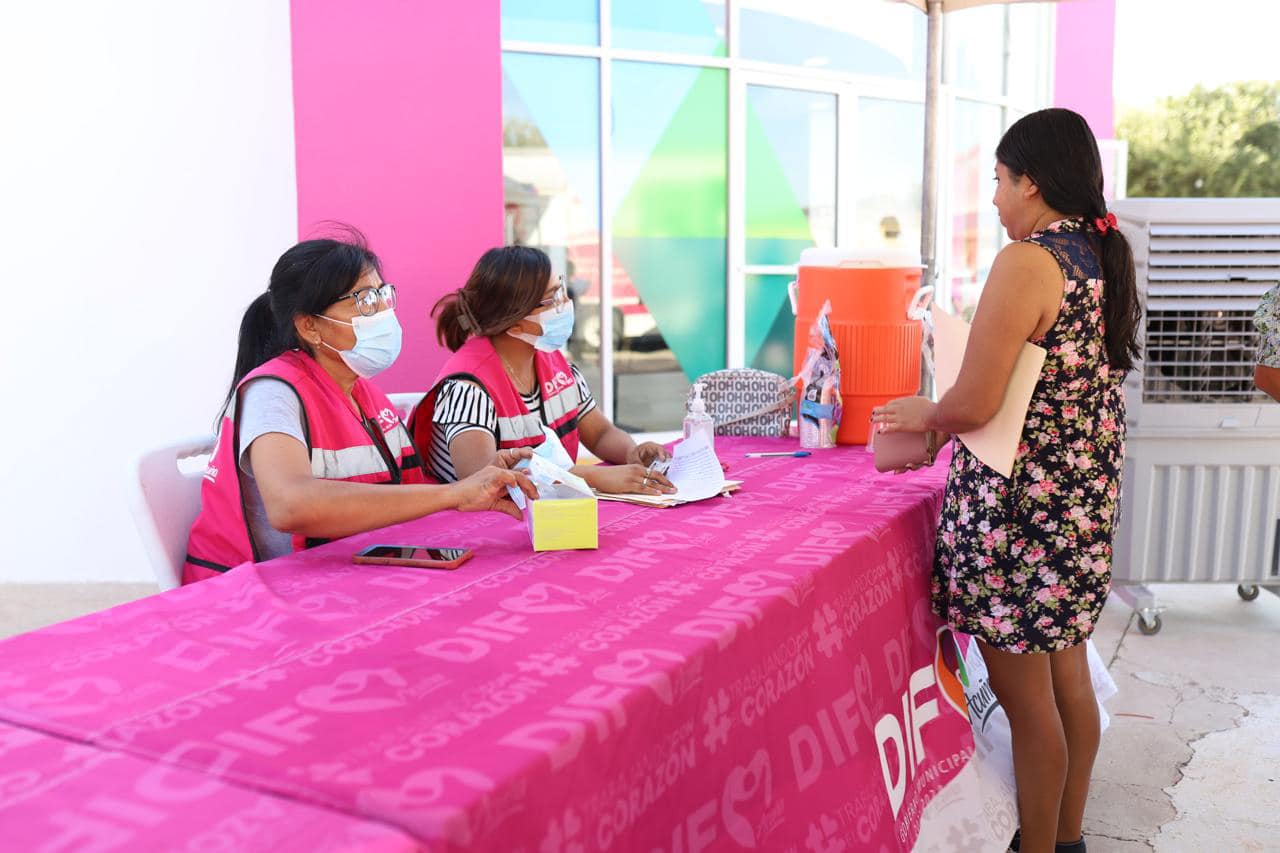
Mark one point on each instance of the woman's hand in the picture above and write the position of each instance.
(905, 414)
(629, 479)
(647, 453)
(486, 489)
(510, 458)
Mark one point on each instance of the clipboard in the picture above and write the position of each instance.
(996, 443)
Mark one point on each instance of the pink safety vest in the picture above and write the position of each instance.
(479, 362)
(342, 447)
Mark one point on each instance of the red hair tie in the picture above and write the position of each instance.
(1105, 223)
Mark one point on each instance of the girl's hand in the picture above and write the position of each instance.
(647, 453)
(630, 479)
(509, 458)
(905, 414)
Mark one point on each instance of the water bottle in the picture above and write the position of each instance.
(696, 419)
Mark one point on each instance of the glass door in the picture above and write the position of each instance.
(787, 182)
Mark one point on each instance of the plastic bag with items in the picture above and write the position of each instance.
(820, 401)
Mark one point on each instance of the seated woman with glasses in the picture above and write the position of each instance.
(507, 386)
(307, 444)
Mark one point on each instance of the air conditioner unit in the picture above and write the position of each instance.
(1200, 499)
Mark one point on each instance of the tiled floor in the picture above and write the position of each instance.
(25, 607)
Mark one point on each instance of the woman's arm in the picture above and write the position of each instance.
(1023, 289)
(612, 444)
(605, 440)
(1022, 296)
(301, 504)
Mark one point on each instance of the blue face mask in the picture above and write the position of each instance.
(557, 326)
(378, 341)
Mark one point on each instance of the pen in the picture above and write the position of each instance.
(779, 453)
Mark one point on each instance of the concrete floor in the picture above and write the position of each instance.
(1191, 761)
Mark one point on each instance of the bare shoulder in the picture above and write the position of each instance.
(1026, 257)
(1021, 264)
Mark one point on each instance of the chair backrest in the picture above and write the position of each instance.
(405, 401)
(745, 401)
(166, 500)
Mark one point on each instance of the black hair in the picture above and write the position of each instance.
(1056, 149)
(306, 280)
(506, 285)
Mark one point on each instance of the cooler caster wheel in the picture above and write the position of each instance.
(1149, 625)
(1248, 591)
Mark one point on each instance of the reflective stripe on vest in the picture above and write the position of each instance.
(520, 428)
(398, 440)
(567, 401)
(341, 444)
(347, 462)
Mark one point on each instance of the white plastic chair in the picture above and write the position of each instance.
(165, 503)
(405, 401)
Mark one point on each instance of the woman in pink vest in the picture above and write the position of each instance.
(507, 386)
(307, 445)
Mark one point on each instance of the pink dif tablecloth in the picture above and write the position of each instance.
(752, 672)
(58, 795)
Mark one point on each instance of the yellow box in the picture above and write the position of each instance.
(563, 524)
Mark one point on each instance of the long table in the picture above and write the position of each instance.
(759, 671)
(57, 795)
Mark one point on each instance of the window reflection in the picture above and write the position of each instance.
(670, 174)
(675, 26)
(551, 187)
(862, 36)
(887, 174)
(973, 49)
(976, 234)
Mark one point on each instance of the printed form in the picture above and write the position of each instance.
(695, 471)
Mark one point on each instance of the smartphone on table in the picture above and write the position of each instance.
(415, 556)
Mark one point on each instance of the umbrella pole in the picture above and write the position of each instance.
(929, 200)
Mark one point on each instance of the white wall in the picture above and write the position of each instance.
(146, 188)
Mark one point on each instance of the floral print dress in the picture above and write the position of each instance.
(1267, 321)
(1024, 563)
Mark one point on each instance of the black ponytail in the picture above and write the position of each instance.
(1058, 151)
(1121, 311)
(307, 279)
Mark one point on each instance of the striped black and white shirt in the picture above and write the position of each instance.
(463, 406)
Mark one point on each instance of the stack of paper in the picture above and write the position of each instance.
(695, 472)
(996, 443)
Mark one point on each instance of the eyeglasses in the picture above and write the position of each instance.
(559, 297)
(367, 298)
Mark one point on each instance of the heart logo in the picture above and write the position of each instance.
(342, 695)
(743, 785)
(543, 598)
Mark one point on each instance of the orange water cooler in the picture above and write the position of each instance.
(879, 346)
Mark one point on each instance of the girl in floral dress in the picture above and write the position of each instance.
(1024, 563)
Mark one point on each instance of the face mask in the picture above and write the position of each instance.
(377, 343)
(557, 326)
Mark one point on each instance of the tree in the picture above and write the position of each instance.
(1222, 142)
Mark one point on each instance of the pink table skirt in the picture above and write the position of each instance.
(748, 672)
(57, 795)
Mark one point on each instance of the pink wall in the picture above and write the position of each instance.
(398, 113)
(1084, 61)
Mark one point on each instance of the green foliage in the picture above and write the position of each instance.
(1221, 142)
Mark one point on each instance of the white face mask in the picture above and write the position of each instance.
(557, 327)
(378, 340)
